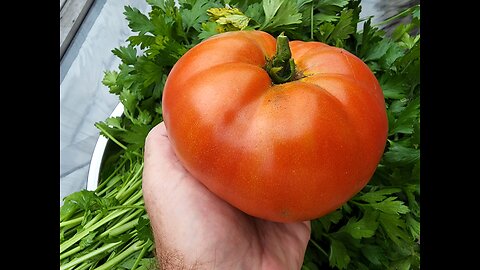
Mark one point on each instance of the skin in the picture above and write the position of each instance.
(195, 229)
(298, 149)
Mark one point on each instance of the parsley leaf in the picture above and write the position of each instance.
(110, 80)
(129, 100)
(194, 12)
(394, 87)
(392, 54)
(137, 21)
(67, 209)
(334, 33)
(148, 71)
(127, 54)
(343, 29)
(208, 29)
(338, 254)
(375, 254)
(394, 227)
(390, 206)
(401, 155)
(369, 37)
(234, 21)
(279, 13)
(143, 229)
(331, 5)
(363, 228)
(406, 117)
(135, 137)
(143, 41)
(375, 196)
(378, 51)
(88, 240)
(328, 220)
(84, 199)
(255, 12)
(115, 122)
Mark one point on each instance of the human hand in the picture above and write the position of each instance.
(195, 229)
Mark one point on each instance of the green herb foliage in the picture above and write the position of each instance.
(377, 229)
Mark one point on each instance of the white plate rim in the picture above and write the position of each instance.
(98, 151)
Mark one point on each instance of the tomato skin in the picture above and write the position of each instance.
(286, 152)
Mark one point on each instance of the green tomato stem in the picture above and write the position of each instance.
(281, 67)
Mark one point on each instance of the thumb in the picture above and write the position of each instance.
(157, 147)
(162, 169)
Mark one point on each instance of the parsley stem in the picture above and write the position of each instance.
(118, 258)
(99, 190)
(319, 247)
(122, 222)
(116, 141)
(84, 265)
(89, 255)
(93, 221)
(126, 207)
(70, 252)
(140, 256)
(123, 228)
(112, 138)
(398, 15)
(73, 222)
(311, 22)
(129, 188)
(65, 245)
(134, 198)
(111, 186)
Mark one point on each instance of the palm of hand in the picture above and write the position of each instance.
(195, 229)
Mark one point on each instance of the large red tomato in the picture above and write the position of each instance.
(282, 151)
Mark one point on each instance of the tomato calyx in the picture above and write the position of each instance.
(281, 66)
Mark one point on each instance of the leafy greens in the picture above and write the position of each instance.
(377, 229)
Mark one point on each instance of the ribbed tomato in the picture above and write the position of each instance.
(282, 151)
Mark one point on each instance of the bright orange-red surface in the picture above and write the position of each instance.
(288, 152)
